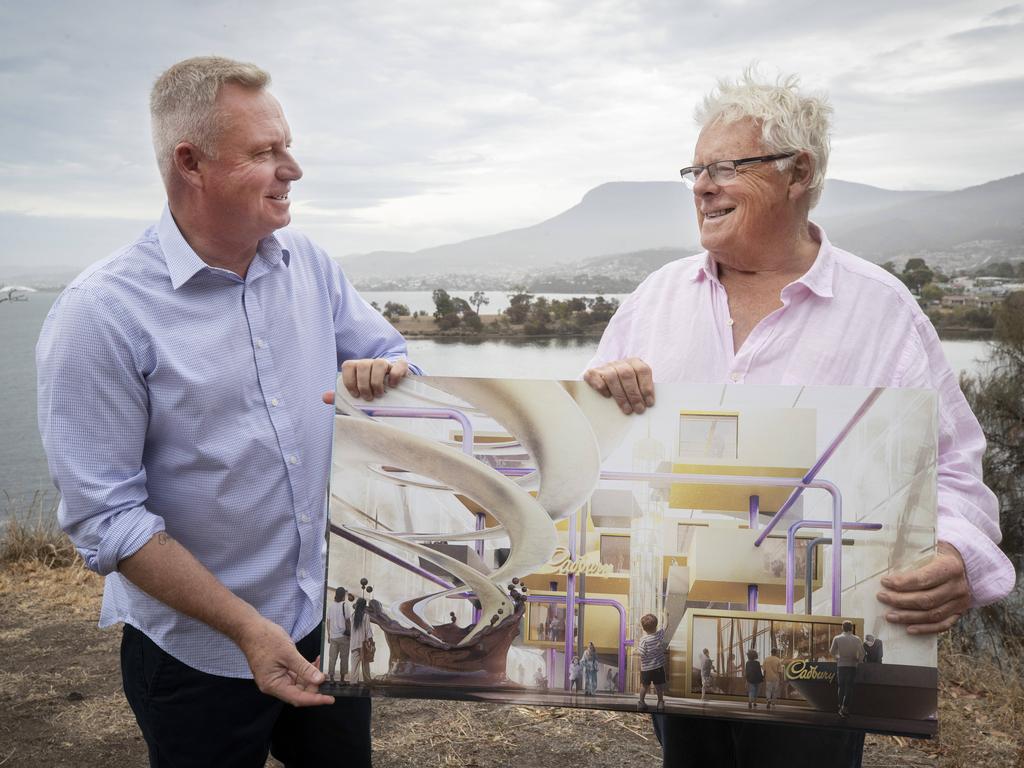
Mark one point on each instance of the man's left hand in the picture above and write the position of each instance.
(929, 599)
(369, 378)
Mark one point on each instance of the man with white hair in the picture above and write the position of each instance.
(772, 301)
(181, 389)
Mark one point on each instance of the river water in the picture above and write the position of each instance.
(23, 468)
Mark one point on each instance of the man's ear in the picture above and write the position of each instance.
(801, 172)
(187, 162)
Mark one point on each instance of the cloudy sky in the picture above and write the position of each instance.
(421, 123)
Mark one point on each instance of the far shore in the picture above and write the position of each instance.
(424, 327)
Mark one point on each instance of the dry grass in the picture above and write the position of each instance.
(411, 733)
(32, 534)
(35, 588)
(981, 716)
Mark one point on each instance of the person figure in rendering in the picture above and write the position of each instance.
(733, 673)
(540, 680)
(771, 301)
(338, 632)
(362, 631)
(557, 628)
(872, 649)
(575, 675)
(707, 671)
(590, 669)
(772, 677)
(181, 403)
(611, 680)
(755, 676)
(651, 648)
(848, 651)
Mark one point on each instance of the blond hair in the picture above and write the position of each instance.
(791, 120)
(182, 104)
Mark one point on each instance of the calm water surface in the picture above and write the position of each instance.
(23, 465)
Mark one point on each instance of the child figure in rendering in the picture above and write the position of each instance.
(755, 676)
(652, 661)
(575, 675)
(707, 668)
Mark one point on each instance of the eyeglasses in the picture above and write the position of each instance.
(724, 171)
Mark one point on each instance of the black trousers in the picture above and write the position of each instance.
(703, 743)
(191, 718)
(844, 680)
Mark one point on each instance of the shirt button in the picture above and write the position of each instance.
(293, 459)
(730, 321)
(734, 376)
(304, 517)
(303, 574)
(259, 344)
(273, 401)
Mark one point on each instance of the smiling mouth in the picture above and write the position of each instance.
(718, 214)
(283, 198)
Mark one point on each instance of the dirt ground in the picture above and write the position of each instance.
(61, 705)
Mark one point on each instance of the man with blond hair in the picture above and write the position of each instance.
(181, 404)
(772, 301)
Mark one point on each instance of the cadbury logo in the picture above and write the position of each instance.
(808, 670)
(588, 564)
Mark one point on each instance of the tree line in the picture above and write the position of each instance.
(526, 313)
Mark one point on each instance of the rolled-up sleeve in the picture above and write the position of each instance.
(360, 330)
(93, 415)
(968, 511)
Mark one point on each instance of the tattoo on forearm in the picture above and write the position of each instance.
(163, 538)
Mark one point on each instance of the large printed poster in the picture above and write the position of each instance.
(524, 541)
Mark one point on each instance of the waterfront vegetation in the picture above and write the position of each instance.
(526, 316)
(955, 311)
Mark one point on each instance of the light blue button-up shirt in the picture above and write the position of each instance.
(178, 396)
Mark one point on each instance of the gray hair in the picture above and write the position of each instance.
(790, 120)
(182, 104)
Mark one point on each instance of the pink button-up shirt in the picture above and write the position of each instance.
(846, 321)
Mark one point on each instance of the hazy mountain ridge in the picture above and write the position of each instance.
(617, 217)
(628, 226)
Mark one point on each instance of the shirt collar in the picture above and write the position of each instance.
(707, 269)
(818, 279)
(183, 263)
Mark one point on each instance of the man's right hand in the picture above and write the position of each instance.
(278, 668)
(629, 381)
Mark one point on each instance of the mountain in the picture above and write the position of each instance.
(612, 218)
(624, 219)
(937, 222)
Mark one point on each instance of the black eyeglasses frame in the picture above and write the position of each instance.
(697, 170)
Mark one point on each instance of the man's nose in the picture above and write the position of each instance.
(703, 184)
(289, 170)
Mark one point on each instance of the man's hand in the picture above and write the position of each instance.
(629, 381)
(369, 378)
(278, 669)
(164, 569)
(931, 598)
